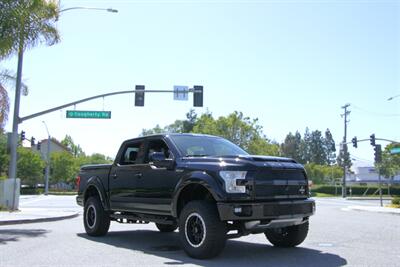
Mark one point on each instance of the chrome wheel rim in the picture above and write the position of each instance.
(195, 230)
(91, 216)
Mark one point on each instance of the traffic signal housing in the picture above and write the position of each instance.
(39, 145)
(22, 136)
(354, 140)
(32, 141)
(197, 96)
(378, 153)
(139, 96)
(372, 139)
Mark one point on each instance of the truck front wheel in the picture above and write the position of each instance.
(290, 236)
(202, 233)
(95, 219)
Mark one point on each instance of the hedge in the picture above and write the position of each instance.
(356, 190)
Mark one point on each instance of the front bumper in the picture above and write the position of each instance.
(286, 209)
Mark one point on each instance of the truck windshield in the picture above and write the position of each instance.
(200, 146)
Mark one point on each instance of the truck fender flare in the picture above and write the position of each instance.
(200, 178)
(95, 182)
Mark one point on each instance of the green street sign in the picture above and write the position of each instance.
(86, 114)
(395, 150)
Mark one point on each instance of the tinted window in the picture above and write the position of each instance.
(132, 154)
(190, 145)
(157, 146)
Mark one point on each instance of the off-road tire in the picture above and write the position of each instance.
(95, 219)
(166, 228)
(290, 236)
(202, 233)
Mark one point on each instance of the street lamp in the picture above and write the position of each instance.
(391, 98)
(92, 8)
(46, 189)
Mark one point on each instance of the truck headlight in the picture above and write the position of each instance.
(230, 178)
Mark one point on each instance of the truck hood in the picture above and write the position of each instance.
(249, 161)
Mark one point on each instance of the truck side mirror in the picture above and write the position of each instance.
(160, 161)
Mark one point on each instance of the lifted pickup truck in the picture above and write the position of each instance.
(205, 185)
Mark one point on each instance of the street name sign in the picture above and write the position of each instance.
(181, 92)
(87, 114)
(395, 150)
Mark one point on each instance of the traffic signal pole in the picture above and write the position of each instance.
(20, 120)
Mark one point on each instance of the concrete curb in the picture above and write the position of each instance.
(39, 220)
(375, 209)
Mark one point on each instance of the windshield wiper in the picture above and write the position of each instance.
(197, 155)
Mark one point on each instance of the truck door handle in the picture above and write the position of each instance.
(138, 175)
(114, 175)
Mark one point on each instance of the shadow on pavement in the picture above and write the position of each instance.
(236, 253)
(12, 235)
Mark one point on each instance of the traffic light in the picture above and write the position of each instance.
(354, 140)
(32, 141)
(372, 139)
(38, 146)
(378, 153)
(198, 96)
(139, 96)
(22, 136)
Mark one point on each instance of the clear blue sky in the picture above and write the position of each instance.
(292, 64)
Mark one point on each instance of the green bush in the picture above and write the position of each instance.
(31, 191)
(356, 190)
(396, 200)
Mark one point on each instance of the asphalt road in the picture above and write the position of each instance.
(337, 237)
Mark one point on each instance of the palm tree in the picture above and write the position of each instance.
(24, 24)
(7, 78)
(4, 107)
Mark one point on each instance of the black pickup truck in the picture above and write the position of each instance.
(205, 185)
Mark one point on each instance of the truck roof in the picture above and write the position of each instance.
(173, 134)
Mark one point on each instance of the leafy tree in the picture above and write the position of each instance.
(390, 165)
(306, 146)
(155, 130)
(323, 173)
(292, 147)
(179, 126)
(4, 159)
(76, 150)
(4, 106)
(317, 151)
(30, 166)
(63, 168)
(343, 159)
(330, 148)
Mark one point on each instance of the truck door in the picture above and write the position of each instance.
(125, 174)
(156, 186)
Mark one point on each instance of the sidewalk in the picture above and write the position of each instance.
(41, 208)
(375, 209)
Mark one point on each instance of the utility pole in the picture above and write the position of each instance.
(47, 172)
(345, 114)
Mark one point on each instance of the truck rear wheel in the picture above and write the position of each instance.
(166, 228)
(290, 236)
(202, 233)
(95, 219)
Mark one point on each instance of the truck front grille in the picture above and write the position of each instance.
(280, 184)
